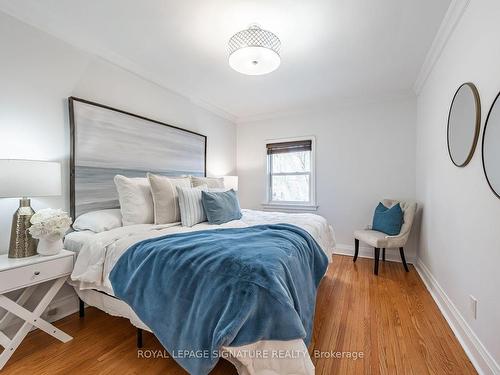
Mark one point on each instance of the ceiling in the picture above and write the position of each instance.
(331, 49)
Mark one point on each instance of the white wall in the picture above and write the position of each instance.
(460, 240)
(365, 151)
(39, 72)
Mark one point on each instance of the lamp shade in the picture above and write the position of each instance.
(231, 182)
(29, 178)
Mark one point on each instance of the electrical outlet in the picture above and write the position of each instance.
(473, 306)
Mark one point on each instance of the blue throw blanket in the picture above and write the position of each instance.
(202, 290)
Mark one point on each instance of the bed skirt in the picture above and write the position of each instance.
(264, 357)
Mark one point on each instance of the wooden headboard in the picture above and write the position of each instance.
(107, 141)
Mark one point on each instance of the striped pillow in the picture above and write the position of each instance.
(192, 211)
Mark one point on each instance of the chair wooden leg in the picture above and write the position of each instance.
(377, 255)
(383, 254)
(402, 253)
(356, 249)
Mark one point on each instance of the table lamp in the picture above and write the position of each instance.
(23, 179)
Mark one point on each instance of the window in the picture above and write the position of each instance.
(290, 167)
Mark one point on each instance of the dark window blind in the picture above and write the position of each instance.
(285, 147)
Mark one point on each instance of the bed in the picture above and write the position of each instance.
(95, 159)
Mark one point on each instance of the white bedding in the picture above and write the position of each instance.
(74, 241)
(99, 252)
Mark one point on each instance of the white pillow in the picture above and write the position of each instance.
(165, 198)
(99, 221)
(211, 182)
(136, 202)
(192, 211)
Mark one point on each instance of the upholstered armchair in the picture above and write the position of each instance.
(383, 241)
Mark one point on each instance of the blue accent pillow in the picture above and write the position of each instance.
(221, 207)
(388, 220)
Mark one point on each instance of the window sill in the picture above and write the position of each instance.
(290, 207)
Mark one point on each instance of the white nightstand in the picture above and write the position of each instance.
(29, 273)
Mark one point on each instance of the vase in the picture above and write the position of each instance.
(48, 246)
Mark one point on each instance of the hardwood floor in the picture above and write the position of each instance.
(391, 319)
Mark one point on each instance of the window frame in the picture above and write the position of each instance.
(292, 205)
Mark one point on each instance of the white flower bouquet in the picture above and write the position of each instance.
(49, 226)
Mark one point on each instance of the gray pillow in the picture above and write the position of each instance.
(165, 198)
(221, 207)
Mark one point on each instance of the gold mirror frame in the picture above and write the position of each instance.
(477, 102)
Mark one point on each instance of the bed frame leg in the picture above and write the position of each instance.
(139, 338)
(82, 308)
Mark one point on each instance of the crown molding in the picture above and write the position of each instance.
(214, 109)
(119, 61)
(451, 19)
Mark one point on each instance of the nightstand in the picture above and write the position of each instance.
(29, 273)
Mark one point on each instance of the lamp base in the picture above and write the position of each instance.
(21, 243)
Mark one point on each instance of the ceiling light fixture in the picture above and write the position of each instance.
(254, 51)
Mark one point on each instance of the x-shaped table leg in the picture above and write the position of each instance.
(30, 319)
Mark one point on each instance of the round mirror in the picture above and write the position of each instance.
(491, 147)
(464, 121)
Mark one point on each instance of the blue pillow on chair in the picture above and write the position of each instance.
(388, 220)
(221, 207)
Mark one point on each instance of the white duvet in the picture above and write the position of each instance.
(100, 252)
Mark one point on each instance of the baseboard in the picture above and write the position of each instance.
(484, 363)
(391, 255)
